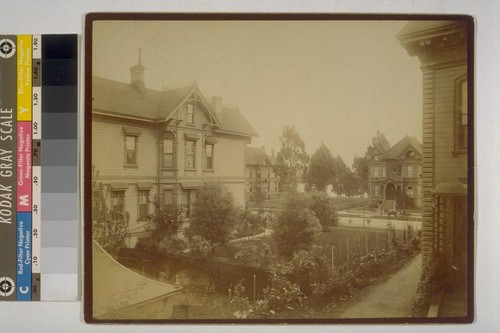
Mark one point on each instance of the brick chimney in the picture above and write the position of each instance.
(217, 104)
(137, 74)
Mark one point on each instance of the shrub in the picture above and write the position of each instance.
(324, 210)
(296, 226)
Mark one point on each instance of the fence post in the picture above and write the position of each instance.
(347, 250)
(333, 263)
(254, 286)
(366, 242)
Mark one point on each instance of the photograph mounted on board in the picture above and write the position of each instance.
(279, 168)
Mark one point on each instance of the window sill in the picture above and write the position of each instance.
(209, 170)
(189, 169)
(459, 152)
(131, 166)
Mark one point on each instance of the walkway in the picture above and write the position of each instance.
(390, 299)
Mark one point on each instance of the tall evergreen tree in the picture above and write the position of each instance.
(321, 170)
(291, 159)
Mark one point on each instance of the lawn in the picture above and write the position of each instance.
(340, 238)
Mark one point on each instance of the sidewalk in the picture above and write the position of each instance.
(390, 299)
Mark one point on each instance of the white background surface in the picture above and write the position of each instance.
(56, 16)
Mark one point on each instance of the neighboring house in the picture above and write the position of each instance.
(261, 180)
(396, 170)
(157, 148)
(441, 47)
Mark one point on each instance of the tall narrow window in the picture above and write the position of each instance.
(143, 204)
(409, 171)
(131, 150)
(190, 114)
(168, 152)
(118, 202)
(190, 154)
(168, 199)
(461, 113)
(209, 153)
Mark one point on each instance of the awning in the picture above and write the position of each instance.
(144, 186)
(191, 136)
(450, 188)
(119, 186)
(211, 140)
(193, 185)
(131, 130)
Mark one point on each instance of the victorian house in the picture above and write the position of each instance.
(396, 170)
(154, 148)
(447, 223)
(261, 180)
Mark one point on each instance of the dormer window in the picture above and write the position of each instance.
(190, 114)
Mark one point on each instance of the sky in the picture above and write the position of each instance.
(336, 81)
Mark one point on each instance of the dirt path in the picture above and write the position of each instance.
(392, 298)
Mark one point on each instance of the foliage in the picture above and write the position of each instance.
(108, 228)
(360, 172)
(252, 255)
(338, 182)
(379, 144)
(324, 210)
(321, 170)
(291, 159)
(250, 223)
(200, 247)
(311, 264)
(295, 227)
(280, 294)
(166, 222)
(428, 285)
(214, 215)
(404, 201)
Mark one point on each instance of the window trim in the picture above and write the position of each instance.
(190, 113)
(139, 193)
(461, 138)
(207, 167)
(135, 163)
(186, 154)
(171, 137)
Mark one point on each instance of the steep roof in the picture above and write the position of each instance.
(123, 99)
(257, 156)
(116, 286)
(233, 121)
(402, 146)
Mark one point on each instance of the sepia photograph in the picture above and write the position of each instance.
(279, 168)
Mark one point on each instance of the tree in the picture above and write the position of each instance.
(108, 228)
(321, 170)
(324, 210)
(291, 159)
(379, 144)
(166, 222)
(296, 226)
(360, 169)
(351, 184)
(404, 201)
(338, 182)
(214, 215)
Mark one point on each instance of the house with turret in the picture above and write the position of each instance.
(394, 171)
